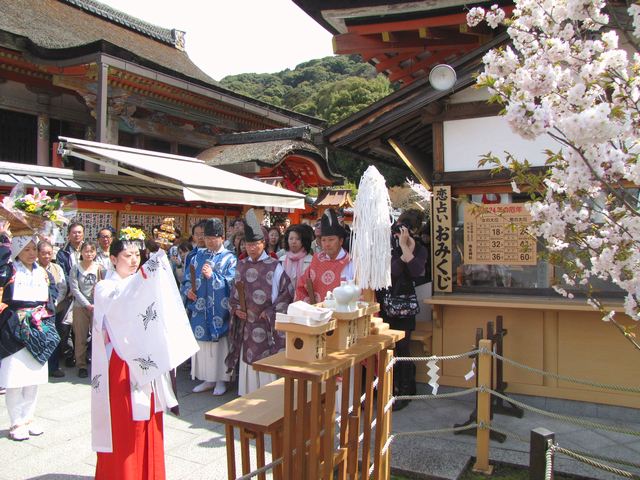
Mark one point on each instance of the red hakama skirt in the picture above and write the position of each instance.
(138, 446)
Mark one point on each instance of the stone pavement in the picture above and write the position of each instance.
(195, 448)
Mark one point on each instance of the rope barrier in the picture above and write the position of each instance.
(420, 432)
(566, 378)
(585, 457)
(260, 470)
(548, 466)
(514, 435)
(439, 396)
(591, 462)
(564, 418)
(432, 358)
(619, 461)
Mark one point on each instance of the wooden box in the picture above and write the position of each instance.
(364, 321)
(378, 326)
(352, 326)
(305, 343)
(346, 332)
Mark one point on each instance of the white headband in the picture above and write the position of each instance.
(18, 243)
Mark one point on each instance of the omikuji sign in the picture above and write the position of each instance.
(497, 235)
(442, 236)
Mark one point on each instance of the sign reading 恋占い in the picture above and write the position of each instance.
(442, 237)
(497, 235)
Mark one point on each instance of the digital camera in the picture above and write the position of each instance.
(396, 227)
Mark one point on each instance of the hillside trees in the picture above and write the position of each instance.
(331, 88)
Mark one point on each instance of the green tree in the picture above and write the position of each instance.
(331, 88)
(341, 99)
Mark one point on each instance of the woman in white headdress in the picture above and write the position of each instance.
(140, 334)
(28, 335)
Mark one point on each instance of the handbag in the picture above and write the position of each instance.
(37, 333)
(401, 305)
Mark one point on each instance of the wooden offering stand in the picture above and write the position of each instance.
(351, 326)
(310, 453)
(305, 343)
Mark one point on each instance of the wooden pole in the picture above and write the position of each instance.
(386, 463)
(231, 453)
(289, 429)
(367, 417)
(537, 453)
(384, 394)
(301, 428)
(352, 455)
(354, 423)
(484, 410)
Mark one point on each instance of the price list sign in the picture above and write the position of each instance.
(497, 235)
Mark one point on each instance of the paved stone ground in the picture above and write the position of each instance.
(195, 448)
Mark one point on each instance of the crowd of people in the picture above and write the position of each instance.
(228, 287)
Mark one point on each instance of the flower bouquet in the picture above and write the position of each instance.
(31, 213)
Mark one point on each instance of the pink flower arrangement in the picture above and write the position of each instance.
(38, 203)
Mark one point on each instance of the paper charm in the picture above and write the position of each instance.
(471, 373)
(432, 371)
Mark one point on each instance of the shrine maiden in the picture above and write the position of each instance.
(140, 334)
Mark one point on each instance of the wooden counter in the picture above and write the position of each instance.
(519, 301)
(554, 334)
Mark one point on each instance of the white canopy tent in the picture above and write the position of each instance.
(197, 180)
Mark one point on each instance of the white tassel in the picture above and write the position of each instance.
(371, 232)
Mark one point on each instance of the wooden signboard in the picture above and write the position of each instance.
(442, 235)
(497, 235)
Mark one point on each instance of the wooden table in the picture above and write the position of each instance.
(310, 426)
(255, 415)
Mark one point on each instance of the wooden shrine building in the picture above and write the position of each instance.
(81, 69)
(479, 273)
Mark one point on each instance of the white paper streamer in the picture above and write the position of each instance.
(432, 371)
(471, 373)
(371, 233)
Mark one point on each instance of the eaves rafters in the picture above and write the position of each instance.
(407, 49)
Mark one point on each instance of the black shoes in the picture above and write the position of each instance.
(83, 373)
(57, 373)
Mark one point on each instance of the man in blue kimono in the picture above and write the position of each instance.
(215, 269)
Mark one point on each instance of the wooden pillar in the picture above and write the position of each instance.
(537, 453)
(42, 145)
(102, 96)
(111, 138)
(437, 130)
(484, 410)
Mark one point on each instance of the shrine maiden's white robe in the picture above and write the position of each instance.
(142, 317)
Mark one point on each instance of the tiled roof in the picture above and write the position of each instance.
(106, 12)
(287, 133)
(335, 198)
(52, 26)
(265, 153)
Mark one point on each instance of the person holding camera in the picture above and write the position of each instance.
(399, 302)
